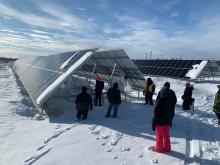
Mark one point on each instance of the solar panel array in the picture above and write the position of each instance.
(167, 68)
(37, 73)
(42, 75)
(103, 62)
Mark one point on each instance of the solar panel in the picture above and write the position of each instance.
(167, 68)
(103, 63)
(40, 75)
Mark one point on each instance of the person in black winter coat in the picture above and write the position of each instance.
(99, 86)
(163, 116)
(114, 98)
(83, 103)
(187, 97)
(171, 97)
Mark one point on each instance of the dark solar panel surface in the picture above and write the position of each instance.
(167, 68)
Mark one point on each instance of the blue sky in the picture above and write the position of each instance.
(189, 29)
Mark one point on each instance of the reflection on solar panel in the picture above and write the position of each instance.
(114, 63)
(39, 73)
(168, 68)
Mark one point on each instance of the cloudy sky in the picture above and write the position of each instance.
(189, 29)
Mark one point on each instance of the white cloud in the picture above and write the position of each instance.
(65, 18)
(40, 31)
(110, 30)
(136, 35)
(59, 18)
(103, 4)
(27, 18)
(170, 4)
(147, 36)
(81, 9)
(174, 14)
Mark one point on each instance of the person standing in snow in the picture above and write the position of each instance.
(99, 86)
(114, 98)
(216, 106)
(83, 104)
(187, 97)
(162, 120)
(172, 100)
(149, 91)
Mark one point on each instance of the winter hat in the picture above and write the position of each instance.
(149, 81)
(98, 78)
(167, 84)
(188, 84)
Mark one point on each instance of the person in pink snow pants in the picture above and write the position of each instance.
(163, 116)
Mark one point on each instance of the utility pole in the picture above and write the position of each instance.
(146, 55)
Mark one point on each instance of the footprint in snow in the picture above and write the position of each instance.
(140, 155)
(95, 132)
(109, 150)
(93, 127)
(154, 161)
(115, 139)
(58, 126)
(105, 136)
(126, 149)
(115, 157)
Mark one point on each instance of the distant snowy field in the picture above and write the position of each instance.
(26, 138)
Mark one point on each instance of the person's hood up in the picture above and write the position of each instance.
(164, 92)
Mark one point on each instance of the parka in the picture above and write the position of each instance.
(216, 106)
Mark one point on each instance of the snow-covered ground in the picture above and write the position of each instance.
(25, 138)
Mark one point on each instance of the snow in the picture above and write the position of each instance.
(59, 81)
(126, 140)
(66, 63)
(197, 69)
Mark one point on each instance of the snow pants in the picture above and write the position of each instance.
(82, 113)
(108, 114)
(148, 97)
(187, 103)
(163, 138)
(98, 98)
